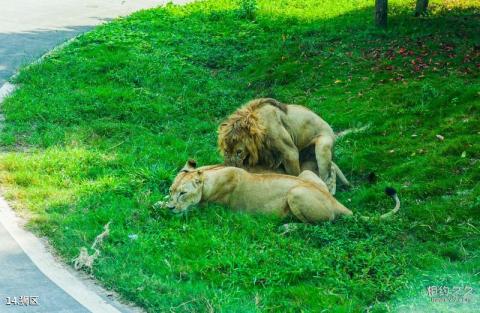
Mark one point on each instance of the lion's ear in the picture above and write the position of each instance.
(192, 163)
(189, 166)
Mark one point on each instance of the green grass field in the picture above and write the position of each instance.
(98, 130)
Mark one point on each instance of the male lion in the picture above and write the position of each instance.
(273, 134)
(306, 197)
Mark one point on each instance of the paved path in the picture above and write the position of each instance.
(28, 29)
(19, 277)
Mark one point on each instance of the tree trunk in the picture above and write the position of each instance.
(381, 11)
(421, 7)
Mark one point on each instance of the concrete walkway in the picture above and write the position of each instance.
(21, 278)
(28, 29)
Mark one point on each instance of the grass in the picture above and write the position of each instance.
(98, 130)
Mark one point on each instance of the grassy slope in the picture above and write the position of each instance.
(98, 130)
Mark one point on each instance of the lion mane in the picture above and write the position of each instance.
(245, 125)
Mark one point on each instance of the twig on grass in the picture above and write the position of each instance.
(117, 145)
(172, 309)
(86, 260)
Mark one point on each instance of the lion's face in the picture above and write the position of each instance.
(186, 190)
(241, 137)
(237, 155)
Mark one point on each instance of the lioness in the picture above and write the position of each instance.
(271, 134)
(306, 197)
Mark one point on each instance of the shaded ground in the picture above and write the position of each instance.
(29, 28)
(17, 49)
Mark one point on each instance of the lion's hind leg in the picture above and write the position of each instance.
(332, 180)
(323, 154)
(308, 206)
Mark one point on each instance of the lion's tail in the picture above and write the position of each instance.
(353, 130)
(338, 172)
(393, 194)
